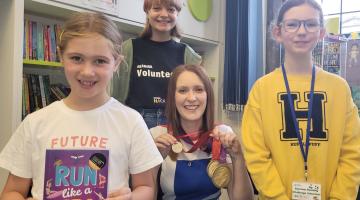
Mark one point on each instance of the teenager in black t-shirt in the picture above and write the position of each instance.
(143, 78)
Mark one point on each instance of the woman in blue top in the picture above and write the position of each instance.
(187, 143)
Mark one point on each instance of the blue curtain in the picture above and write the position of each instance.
(236, 67)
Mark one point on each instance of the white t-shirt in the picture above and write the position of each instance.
(187, 178)
(112, 126)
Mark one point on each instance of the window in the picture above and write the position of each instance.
(346, 11)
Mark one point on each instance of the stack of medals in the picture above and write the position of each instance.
(217, 168)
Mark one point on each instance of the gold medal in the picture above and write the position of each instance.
(221, 176)
(177, 147)
(213, 164)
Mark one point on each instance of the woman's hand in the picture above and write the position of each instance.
(123, 193)
(164, 142)
(229, 140)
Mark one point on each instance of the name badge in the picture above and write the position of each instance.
(306, 191)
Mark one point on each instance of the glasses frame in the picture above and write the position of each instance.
(301, 22)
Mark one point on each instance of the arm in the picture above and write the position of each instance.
(163, 140)
(144, 184)
(16, 188)
(120, 82)
(191, 57)
(347, 177)
(257, 155)
(240, 187)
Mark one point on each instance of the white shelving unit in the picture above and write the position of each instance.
(204, 37)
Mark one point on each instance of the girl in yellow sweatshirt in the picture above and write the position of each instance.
(301, 128)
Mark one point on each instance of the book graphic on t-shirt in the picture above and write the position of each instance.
(76, 174)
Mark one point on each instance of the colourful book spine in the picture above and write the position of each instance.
(34, 40)
(26, 95)
(48, 38)
(40, 41)
(23, 99)
(57, 37)
(30, 40)
(31, 93)
(53, 43)
(26, 41)
(42, 91)
(46, 79)
(46, 44)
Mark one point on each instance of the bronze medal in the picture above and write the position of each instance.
(177, 147)
(221, 176)
(213, 164)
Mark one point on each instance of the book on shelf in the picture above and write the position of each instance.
(38, 92)
(40, 40)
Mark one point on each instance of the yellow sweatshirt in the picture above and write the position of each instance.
(270, 144)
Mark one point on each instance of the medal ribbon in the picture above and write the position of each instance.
(217, 152)
(202, 139)
(304, 151)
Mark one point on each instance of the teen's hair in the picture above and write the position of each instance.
(147, 32)
(86, 23)
(293, 3)
(172, 114)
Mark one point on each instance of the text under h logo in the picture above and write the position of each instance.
(317, 129)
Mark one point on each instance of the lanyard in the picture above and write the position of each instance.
(304, 152)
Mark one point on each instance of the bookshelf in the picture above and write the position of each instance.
(200, 35)
(42, 63)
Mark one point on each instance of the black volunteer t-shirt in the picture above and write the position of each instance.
(153, 63)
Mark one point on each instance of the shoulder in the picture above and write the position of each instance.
(191, 57)
(127, 44)
(332, 78)
(268, 80)
(46, 112)
(332, 84)
(187, 48)
(122, 111)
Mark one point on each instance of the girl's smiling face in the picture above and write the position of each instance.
(89, 64)
(301, 41)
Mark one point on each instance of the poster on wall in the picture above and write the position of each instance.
(332, 57)
(353, 62)
(105, 6)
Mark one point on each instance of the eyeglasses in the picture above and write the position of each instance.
(293, 25)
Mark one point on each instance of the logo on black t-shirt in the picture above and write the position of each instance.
(146, 71)
(158, 100)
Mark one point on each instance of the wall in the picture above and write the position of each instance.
(10, 70)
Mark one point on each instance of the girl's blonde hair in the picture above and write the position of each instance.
(84, 24)
(147, 32)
